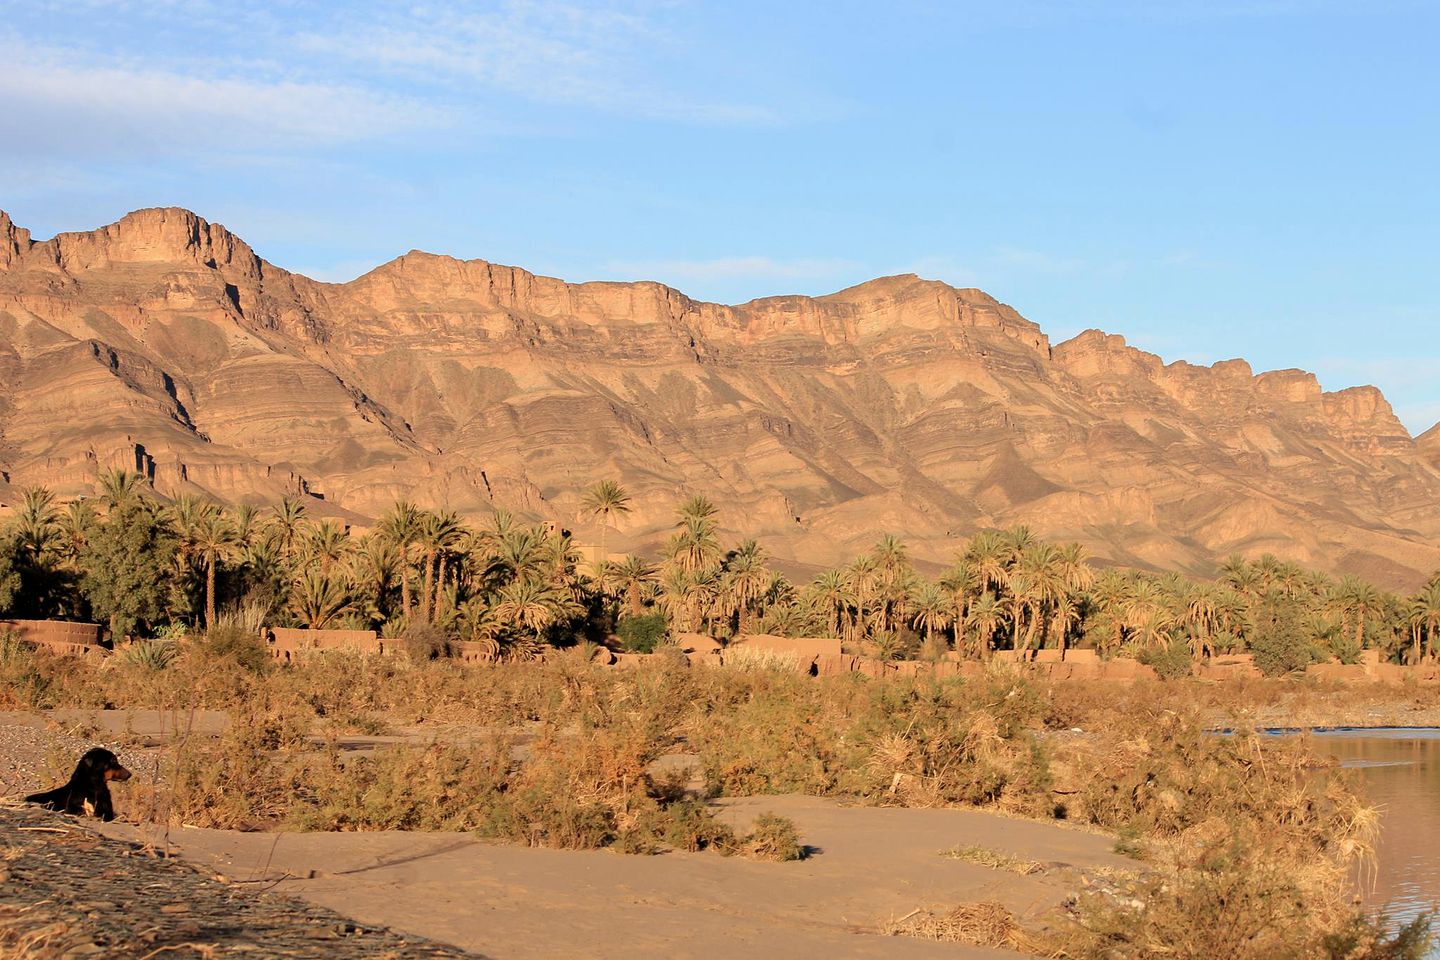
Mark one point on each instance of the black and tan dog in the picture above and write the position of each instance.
(89, 786)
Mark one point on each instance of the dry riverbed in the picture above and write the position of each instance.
(868, 866)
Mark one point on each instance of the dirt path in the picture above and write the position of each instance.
(67, 892)
(513, 903)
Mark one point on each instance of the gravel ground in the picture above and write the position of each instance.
(36, 758)
(66, 893)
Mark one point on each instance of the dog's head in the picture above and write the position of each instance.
(101, 764)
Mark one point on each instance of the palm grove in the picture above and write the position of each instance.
(149, 567)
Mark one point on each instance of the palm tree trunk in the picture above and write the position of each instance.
(210, 593)
(428, 584)
(440, 586)
(1034, 626)
(404, 585)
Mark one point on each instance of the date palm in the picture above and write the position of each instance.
(286, 530)
(527, 605)
(634, 578)
(747, 579)
(1359, 601)
(400, 526)
(1110, 597)
(327, 545)
(831, 593)
(37, 524)
(987, 615)
(318, 599)
(1424, 609)
(121, 489)
(374, 566)
(696, 507)
(990, 556)
(440, 534)
(77, 524)
(694, 545)
(930, 609)
(1201, 616)
(603, 501)
(214, 538)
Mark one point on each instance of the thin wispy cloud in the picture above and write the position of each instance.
(58, 99)
(559, 53)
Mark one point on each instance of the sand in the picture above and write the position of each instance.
(871, 865)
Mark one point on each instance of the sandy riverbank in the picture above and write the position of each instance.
(870, 865)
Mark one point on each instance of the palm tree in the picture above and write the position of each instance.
(990, 556)
(286, 529)
(37, 526)
(602, 501)
(987, 614)
(1359, 600)
(633, 577)
(1111, 596)
(1075, 569)
(696, 507)
(1425, 614)
(694, 547)
(1201, 615)
(930, 609)
(121, 489)
(527, 605)
(832, 594)
(374, 565)
(327, 545)
(862, 582)
(185, 514)
(747, 578)
(318, 599)
(214, 537)
(77, 524)
(1041, 569)
(400, 526)
(1064, 615)
(440, 534)
(961, 584)
(893, 574)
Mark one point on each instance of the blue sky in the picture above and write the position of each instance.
(1224, 178)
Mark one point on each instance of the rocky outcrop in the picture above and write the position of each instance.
(1428, 443)
(899, 405)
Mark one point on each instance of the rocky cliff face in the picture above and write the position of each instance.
(162, 342)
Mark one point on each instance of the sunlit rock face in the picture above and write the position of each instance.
(163, 343)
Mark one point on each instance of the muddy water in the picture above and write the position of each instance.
(1399, 770)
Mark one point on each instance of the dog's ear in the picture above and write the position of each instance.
(95, 760)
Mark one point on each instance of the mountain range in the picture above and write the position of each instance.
(163, 343)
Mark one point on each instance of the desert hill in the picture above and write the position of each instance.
(162, 342)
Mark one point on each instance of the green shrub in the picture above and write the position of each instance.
(424, 641)
(231, 642)
(1171, 661)
(1280, 649)
(151, 654)
(773, 838)
(641, 634)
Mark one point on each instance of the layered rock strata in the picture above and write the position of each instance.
(162, 342)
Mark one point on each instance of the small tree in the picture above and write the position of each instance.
(126, 565)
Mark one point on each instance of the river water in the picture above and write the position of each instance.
(1399, 771)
